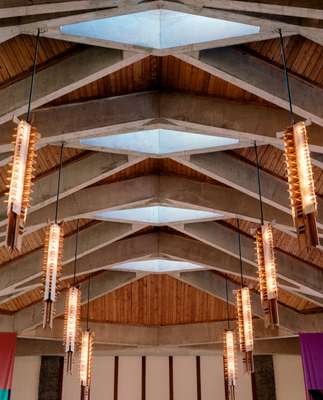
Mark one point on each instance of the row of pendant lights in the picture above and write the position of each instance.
(304, 211)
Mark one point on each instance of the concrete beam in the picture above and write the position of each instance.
(146, 110)
(307, 280)
(312, 8)
(24, 273)
(262, 79)
(102, 284)
(76, 175)
(198, 334)
(155, 189)
(240, 175)
(71, 73)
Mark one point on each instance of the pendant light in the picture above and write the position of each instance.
(20, 173)
(52, 261)
(229, 356)
(86, 359)
(244, 313)
(72, 315)
(266, 264)
(299, 173)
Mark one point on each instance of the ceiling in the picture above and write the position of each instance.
(141, 90)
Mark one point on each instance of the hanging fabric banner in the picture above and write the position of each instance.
(7, 359)
(312, 358)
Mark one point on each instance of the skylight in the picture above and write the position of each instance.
(159, 141)
(159, 29)
(157, 215)
(157, 266)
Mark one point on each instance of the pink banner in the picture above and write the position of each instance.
(7, 359)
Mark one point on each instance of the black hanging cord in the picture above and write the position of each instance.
(283, 56)
(88, 303)
(240, 254)
(76, 248)
(59, 181)
(259, 185)
(227, 297)
(33, 76)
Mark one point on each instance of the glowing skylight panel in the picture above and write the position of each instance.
(159, 29)
(157, 215)
(157, 266)
(158, 141)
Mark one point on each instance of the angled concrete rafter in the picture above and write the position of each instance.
(102, 284)
(24, 273)
(152, 110)
(153, 190)
(262, 79)
(73, 72)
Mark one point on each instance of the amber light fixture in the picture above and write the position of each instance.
(86, 359)
(52, 262)
(299, 172)
(72, 325)
(52, 266)
(301, 184)
(245, 323)
(20, 173)
(72, 315)
(266, 264)
(229, 357)
(267, 274)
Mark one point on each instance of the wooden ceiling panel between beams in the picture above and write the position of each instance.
(157, 300)
(304, 57)
(16, 56)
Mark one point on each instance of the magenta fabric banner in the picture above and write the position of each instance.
(312, 358)
(7, 359)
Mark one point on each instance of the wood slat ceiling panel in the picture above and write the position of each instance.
(304, 57)
(16, 56)
(152, 73)
(157, 300)
(156, 166)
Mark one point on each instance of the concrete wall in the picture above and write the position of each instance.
(26, 378)
(288, 377)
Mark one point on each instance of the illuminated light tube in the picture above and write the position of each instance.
(229, 365)
(52, 265)
(86, 363)
(20, 176)
(72, 324)
(301, 184)
(245, 327)
(267, 274)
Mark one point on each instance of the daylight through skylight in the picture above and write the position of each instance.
(159, 29)
(157, 215)
(157, 266)
(159, 141)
